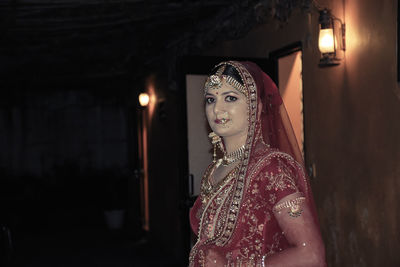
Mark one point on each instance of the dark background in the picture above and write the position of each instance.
(70, 75)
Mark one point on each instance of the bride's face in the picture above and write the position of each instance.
(227, 111)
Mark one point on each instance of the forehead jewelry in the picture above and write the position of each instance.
(215, 82)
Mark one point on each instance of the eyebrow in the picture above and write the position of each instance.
(229, 92)
(224, 93)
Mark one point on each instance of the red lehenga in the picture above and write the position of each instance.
(236, 221)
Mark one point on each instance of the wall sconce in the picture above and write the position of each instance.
(144, 99)
(327, 41)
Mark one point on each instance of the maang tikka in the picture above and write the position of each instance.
(214, 81)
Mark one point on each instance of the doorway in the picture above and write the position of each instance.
(288, 77)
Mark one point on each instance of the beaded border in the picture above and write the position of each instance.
(235, 201)
(239, 186)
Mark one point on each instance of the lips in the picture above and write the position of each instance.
(221, 121)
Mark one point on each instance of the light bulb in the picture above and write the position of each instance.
(144, 99)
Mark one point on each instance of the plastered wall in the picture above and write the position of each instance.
(352, 119)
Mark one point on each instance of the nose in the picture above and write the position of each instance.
(218, 107)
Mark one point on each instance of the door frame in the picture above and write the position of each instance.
(274, 56)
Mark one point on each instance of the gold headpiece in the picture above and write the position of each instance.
(215, 81)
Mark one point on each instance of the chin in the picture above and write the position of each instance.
(219, 130)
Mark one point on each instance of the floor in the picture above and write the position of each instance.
(84, 247)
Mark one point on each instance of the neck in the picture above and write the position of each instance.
(233, 143)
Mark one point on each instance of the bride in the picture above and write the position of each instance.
(255, 207)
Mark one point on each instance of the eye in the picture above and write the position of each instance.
(230, 98)
(209, 100)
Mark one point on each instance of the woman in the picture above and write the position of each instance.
(255, 207)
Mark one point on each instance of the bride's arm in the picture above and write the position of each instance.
(296, 221)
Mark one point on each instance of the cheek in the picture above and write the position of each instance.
(244, 122)
(208, 111)
(241, 115)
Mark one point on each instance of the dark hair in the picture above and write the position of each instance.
(230, 71)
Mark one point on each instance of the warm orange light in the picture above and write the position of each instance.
(326, 42)
(144, 99)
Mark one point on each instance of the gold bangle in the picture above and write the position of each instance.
(293, 204)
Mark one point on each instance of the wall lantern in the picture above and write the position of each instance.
(144, 99)
(328, 38)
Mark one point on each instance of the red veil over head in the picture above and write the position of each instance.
(274, 122)
(275, 125)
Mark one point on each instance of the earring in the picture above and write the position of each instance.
(215, 140)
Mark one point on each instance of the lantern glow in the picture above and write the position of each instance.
(326, 41)
(328, 35)
(144, 99)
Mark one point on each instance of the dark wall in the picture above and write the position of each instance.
(66, 155)
(167, 157)
(43, 131)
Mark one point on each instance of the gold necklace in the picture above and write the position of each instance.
(232, 157)
(208, 189)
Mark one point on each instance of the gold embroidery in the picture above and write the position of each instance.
(281, 180)
(272, 198)
(208, 190)
(255, 190)
(239, 187)
(252, 241)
